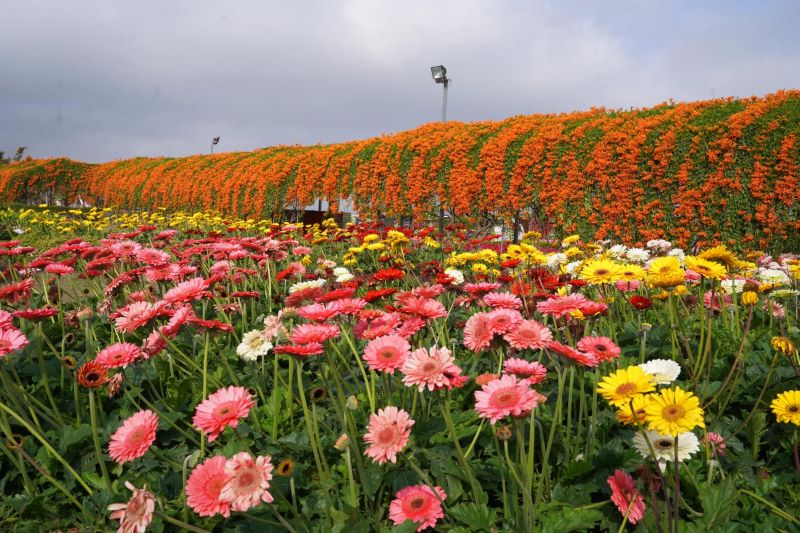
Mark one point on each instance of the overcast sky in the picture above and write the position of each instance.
(100, 80)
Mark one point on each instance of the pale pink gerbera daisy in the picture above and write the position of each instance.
(601, 347)
(387, 434)
(434, 369)
(506, 396)
(561, 305)
(503, 299)
(626, 496)
(533, 371)
(204, 486)
(477, 289)
(387, 354)
(529, 334)
(11, 340)
(136, 515)
(478, 332)
(186, 291)
(504, 320)
(134, 437)
(307, 333)
(222, 409)
(248, 481)
(418, 503)
(120, 354)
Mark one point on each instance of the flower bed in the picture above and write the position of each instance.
(211, 374)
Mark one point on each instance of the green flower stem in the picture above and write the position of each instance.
(772, 507)
(448, 419)
(98, 450)
(47, 446)
(57, 484)
(180, 523)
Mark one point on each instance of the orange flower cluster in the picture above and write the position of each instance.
(723, 170)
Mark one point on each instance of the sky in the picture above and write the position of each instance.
(102, 80)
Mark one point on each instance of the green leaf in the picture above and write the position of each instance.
(477, 517)
(569, 519)
(719, 504)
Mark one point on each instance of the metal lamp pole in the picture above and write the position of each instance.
(214, 142)
(439, 74)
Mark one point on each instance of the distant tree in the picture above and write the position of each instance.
(17, 156)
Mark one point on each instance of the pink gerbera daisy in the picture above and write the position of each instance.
(222, 409)
(418, 503)
(410, 325)
(350, 306)
(434, 369)
(11, 340)
(120, 354)
(586, 359)
(135, 515)
(533, 371)
(502, 299)
(505, 396)
(424, 307)
(306, 333)
(561, 305)
(601, 347)
(132, 317)
(504, 320)
(529, 334)
(300, 350)
(319, 312)
(478, 332)
(248, 481)
(152, 256)
(626, 496)
(186, 291)
(204, 486)
(59, 269)
(387, 354)
(387, 434)
(134, 437)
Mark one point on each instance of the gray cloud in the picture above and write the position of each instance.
(97, 80)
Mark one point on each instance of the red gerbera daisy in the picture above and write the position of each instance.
(585, 359)
(300, 350)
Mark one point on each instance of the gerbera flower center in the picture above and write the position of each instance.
(626, 388)
(506, 397)
(246, 479)
(387, 435)
(793, 409)
(136, 435)
(429, 366)
(223, 410)
(673, 412)
(601, 272)
(4, 344)
(387, 354)
(663, 444)
(417, 503)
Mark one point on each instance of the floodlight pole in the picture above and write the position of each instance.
(445, 85)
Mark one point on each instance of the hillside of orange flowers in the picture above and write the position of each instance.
(723, 170)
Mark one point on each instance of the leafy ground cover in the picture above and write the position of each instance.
(182, 370)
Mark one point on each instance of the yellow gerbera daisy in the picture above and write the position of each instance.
(707, 269)
(673, 411)
(624, 385)
(630, 272)
(719, 254)
(786, 407)
(665, 272)
(597, 271)
(627, 416)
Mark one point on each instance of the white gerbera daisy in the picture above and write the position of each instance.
(731, 286)
(344, 278)
(664, 446)
(637, 255)
(340, 271)
(617, 251)
(254, 345)
(773, 275)
(306, 285)
(664, 371)
(659, 244)
(456, 275)
(556, 260)
(572, 267)
(677, 252)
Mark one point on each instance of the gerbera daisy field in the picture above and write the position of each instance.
(173, 371)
